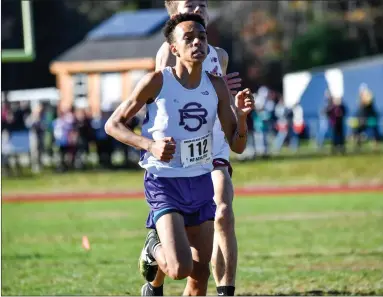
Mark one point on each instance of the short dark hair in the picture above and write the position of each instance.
(177, 19)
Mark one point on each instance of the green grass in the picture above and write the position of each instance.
(314, 170)
(287, 245)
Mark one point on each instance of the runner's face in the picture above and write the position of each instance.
(194, 6)
(190, 42)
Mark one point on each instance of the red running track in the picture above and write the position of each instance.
(253, 191)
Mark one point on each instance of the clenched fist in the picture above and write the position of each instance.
(163, 149)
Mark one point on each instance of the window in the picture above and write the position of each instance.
(80, 85)
(80, 90)
(111, 90)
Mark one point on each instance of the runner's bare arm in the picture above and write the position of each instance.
(164, 57)
(235, 128)
(147, 88)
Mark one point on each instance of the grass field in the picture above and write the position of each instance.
(303, 170)
(309, 245)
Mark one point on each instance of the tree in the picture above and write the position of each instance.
(322, 44)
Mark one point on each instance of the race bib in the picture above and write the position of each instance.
(196, 150)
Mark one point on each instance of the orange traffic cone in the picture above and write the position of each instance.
(85, 243)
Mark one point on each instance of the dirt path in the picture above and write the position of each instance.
(255, 191)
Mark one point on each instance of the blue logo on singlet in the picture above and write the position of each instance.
(195, 111)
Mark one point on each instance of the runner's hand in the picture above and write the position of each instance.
(233, 82)
(163, 149)
(244, 101)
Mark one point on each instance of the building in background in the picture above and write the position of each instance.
(103, 69)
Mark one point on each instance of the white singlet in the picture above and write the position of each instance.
(221, 148)
(187, 115)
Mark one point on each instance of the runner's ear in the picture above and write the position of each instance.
(174, 51)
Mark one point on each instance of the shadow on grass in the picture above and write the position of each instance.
(315, 255)
(32, 256)
(316, 293)
(311, 156)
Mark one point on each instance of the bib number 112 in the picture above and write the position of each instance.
(196, 150)
(201, 147)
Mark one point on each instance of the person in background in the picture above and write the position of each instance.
(64, 138)
(83, 128)
(48, 116)
(15, 117)
(298, 126)
(18, 132)
(6, 120)
(264, 109)
(324, 126)
(104, 142)
(336, 112)
(290, 125)
(367, 116)
(37, 131)
(281, 125)
(260, 120)
(5, 115)
(20, 112)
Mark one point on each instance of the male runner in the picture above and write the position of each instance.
(224, 258)
(182, 105)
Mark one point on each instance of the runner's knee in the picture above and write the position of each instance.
(200, 273)
(180, 269)
(223, 187)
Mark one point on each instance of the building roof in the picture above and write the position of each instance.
(113, 49)
(128, 24)
(126, 35)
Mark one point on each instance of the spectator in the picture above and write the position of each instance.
(104, 142)
(290, 125)
(324, 127)
(281, 125)
(84, 131)
(262, 119)
(5, 116)
(367, 116)
(20, 111)
(37, 131)
(336, 113)
(298, 126)
(6, 120)
(48, 116)
(65, 139)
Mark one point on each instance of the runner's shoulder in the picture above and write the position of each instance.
(217, 81)
(222, 54)
(164, 57)
(151, 83)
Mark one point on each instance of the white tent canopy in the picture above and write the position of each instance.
(42, 94)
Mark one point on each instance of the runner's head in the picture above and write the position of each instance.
(186, 34)
(188, 6)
